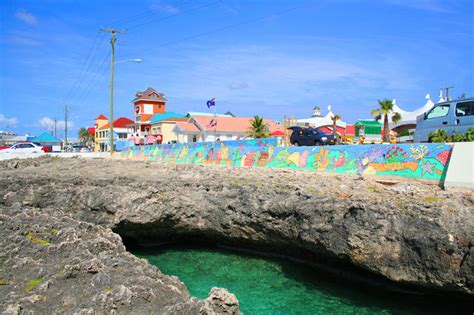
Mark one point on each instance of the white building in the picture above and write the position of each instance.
(408, 122)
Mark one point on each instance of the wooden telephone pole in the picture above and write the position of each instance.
(112, 60)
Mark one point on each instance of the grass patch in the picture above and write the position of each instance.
(430, 199)
(3, 281)
(372, 188)
(32, 284)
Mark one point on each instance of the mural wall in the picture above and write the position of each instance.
(424, 161)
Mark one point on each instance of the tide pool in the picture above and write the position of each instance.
(273, 286)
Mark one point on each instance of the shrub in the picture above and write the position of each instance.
(441, 136)
(438, 136)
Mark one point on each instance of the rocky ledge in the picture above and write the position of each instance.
(60, 250)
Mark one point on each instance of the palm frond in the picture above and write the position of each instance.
(396, 117)
(375, 112)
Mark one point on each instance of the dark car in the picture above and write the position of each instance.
(310, 136)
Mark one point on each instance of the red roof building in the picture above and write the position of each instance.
(210, 128)
(101, 117)
(145, 105)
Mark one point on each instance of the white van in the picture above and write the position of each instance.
(455, 116)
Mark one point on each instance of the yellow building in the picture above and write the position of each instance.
(102, 139)
(99, 134)
(163, 125)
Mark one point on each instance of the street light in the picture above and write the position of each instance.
(111, 122)
(134, 60)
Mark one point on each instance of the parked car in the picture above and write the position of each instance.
(3, 147)
(310, 136)
(44, 147)
(455, 116)
(25, 147)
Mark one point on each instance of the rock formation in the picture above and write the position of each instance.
(59, 251)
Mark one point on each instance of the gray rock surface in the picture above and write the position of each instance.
(408, 233)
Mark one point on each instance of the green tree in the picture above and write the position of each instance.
(258, 129)
(334, 119)
(85, 137)
(385, 110)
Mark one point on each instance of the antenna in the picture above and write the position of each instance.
(446, 88)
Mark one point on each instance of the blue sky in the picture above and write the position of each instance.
(256, 57)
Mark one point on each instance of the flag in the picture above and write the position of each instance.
(211, 102)
(212, 123)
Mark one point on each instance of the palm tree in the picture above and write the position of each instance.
(334, 119)
(257, 128)
(386, 109)
(85, 136)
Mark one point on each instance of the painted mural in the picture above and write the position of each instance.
(424, 161)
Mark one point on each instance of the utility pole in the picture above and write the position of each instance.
(112, 60)
(65, 126)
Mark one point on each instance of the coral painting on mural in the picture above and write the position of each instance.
(426, 161)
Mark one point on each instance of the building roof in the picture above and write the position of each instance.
(230, 124)
(91, 130)
(409, 118)
(319, 121)
(178, 119)
(159, 117)
(368, 122)
(101, 117)
(45, 137)
(149, 94)
(121, 122)
(186, 126)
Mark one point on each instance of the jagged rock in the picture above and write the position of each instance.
(411, 234)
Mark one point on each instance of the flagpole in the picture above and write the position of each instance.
(215, 124)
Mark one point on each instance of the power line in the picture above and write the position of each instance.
(81, 68)
(147, 13)
(225, 27)
(174, 15)
(83, 75)
(93, 81)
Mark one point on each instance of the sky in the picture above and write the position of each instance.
(262, 57)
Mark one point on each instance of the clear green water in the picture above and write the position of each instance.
(269, 286)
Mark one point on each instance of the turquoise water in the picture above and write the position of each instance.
(269, 286)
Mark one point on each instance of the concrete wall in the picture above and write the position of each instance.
(421, 161)
(460, 171)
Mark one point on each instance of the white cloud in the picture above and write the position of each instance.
(26, 17)
(48, 123)
(10, 122)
